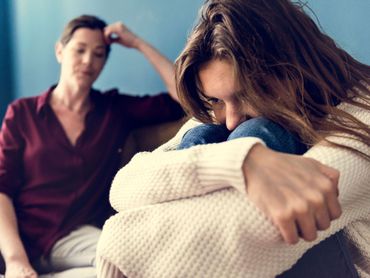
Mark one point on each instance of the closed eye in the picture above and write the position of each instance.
(214, 103)
(99, 54)
(213, 100)
(80, 50)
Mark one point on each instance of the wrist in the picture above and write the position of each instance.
(249, 164)
(138, 43)
(16, 258)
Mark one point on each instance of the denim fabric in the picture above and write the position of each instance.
(2, 265)
(204, 134)
(329, 258)
(275, 136)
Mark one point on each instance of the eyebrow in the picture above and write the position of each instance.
(85, 44)
(211, 97)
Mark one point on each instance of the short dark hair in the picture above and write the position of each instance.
(83, 21)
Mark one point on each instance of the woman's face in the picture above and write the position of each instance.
(82, 58)
(219, 89)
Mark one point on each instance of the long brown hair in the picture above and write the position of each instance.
(290, 71)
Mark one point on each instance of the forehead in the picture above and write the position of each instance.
(217, 78)
(89, 37)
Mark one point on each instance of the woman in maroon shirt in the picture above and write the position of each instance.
(60, 150)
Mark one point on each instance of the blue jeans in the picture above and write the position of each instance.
(329, 258)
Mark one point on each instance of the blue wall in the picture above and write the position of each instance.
(165, 23)
(348, 22)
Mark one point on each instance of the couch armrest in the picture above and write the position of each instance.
(148, 138)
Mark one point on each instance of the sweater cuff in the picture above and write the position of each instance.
(220, 165)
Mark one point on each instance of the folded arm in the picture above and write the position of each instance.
(158, 177)
(170, 224)
(286, 188)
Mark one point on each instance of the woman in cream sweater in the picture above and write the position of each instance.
(237, 208)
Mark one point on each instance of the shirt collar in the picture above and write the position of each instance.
(43, 99)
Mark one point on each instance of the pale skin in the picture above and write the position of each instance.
(304, 195)
(82, 60)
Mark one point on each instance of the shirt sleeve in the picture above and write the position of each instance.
(354, 191)
(148, 110)
(11, 148)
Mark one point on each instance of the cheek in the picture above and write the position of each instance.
(99, 65)
(68, 66)
(220, 116)
(249, 111)
(71, 64)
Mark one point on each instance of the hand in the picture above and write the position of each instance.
(119, 33)
(299, 195)
(20, 270)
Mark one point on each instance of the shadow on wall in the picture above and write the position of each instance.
(6, 63)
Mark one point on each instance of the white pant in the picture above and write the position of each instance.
(72, 256)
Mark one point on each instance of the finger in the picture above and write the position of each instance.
(334, 207)
(322, 218)
(319, 208)
(112, 38)
(107, 36)
(307, 227)
(331, 190)
(288, 231)
(332, 174)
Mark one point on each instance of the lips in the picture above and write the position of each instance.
(88, 73)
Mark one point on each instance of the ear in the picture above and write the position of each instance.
(59, 52)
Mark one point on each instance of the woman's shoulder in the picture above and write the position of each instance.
(359, 101)
(29, 104)
(32, 100)
(24, 103)
(113, 96)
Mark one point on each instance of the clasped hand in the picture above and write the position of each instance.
(298, 194)
(119, 33)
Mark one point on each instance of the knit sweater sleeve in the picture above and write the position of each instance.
(221, 233)
(166, 174)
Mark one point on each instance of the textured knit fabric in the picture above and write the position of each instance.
(56, 186)
(186, 213)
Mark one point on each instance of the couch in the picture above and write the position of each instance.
(148, 138)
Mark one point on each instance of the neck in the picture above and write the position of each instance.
(72, 99)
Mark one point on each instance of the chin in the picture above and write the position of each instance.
(84, 84)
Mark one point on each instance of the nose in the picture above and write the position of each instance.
(234, 116)
(87, 58)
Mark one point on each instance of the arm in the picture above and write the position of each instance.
(233, 226)
(166, 175)
(12, 250)
(126, 38)
(222, 224)
(312, 186)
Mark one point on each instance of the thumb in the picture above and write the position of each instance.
(332, 174)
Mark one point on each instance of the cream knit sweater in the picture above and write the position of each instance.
(186, 213)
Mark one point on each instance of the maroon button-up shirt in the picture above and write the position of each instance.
(56, 186)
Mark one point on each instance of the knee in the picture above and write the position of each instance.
(256, 127)
(204, 134)
(274, 135)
